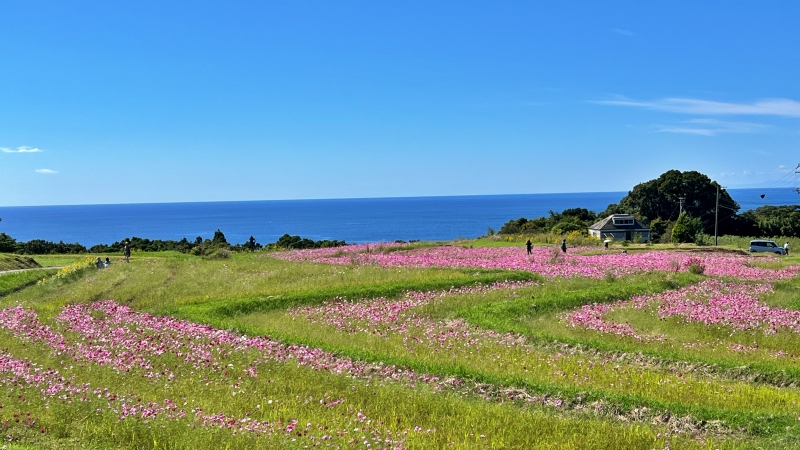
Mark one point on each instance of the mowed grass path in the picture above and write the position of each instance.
(255, 294)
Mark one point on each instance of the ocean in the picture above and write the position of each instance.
(351, 220)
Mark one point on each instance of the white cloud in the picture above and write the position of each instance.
(711, 127)
(46, 171)
(20, 150)
(769, 107)
(746, 172)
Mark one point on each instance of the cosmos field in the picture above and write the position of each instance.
(401, 346)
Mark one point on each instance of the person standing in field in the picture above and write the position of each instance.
(529, 246)
(564, 245)
(786, 248)
(126, 252)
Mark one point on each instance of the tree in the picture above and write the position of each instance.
(251, 244)
(7, 244)
(686, 228)
(770, 220)
(219, 238)
(660, 198)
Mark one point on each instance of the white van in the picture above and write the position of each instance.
(761, 245)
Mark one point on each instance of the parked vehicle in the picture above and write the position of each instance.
(762, 245)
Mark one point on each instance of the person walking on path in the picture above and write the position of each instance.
(786, 248)
(564, 245)
(126, 252)
(529, 246)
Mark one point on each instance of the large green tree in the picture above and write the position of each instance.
(660, 198)
(767, 220)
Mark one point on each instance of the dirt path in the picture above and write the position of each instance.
(2, 272)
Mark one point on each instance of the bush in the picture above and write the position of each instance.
(702, 239)
(695, 266)
(566, 227)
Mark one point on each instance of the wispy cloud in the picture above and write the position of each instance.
(711, 127)
(46, 171)
(769, 107)
(20, 150)
(622, 32)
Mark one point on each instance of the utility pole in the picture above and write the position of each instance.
(681, 198)
(716, 216)
(796, 171)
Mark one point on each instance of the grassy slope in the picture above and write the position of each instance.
(13, 282)
(251, 293)
(15, 262)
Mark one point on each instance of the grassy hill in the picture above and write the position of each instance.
(392, 347)
(14, 262)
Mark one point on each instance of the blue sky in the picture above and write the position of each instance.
(102, 102)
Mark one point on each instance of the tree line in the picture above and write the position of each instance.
(657, 204)
(199, 246)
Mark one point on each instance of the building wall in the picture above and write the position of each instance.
(619, 235)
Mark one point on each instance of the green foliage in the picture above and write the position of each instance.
(571, 219)
(702, 239)
(566, 227)
(146, 245)
(696, 268)
(42, 247)
(219, 238)
(771, 221)
(660, 227)
(7, 244)
(513, 226)
(659, 198)
(296, 242)
(686, 228)
(251, 245)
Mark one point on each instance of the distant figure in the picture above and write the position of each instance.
(126, 252)
(786, 248)
(529, 246)
(564, 245)
(99, 263)
(624, 252)
(107, 262)
(605, 244)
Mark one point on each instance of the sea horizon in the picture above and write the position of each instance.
(354, 220)
(314, 199)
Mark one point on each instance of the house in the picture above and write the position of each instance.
(620, 227)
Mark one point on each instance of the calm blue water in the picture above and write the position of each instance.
(351, 220)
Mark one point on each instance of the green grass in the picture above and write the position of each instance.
(629, 386)
(244, 282)
(257, 295)
(13, 282)
(425, 418)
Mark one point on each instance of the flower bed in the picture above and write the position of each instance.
(547, 261)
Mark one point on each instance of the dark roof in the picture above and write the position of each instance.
(608, 223)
